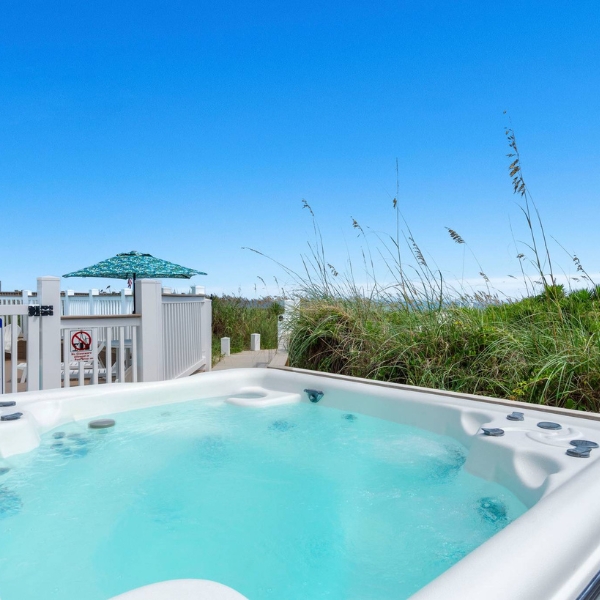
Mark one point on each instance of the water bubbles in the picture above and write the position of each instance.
(450, 551)
(281, 425)
(212, 448)
(72, 445)
(80, 452)
(10, 502)
(492, 510)
(449, 463)
(77, 439)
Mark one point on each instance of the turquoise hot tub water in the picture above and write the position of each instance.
(295, 502)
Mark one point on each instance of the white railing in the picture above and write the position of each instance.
(95, 303)
(186, 329)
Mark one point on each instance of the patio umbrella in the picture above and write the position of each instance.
(135, 265)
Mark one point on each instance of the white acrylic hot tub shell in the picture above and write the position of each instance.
(549, 553)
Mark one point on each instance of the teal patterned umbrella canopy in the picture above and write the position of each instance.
(135, 265)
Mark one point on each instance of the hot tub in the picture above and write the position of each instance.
(283, 483)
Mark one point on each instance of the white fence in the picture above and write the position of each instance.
(187, 322)
(169, 337)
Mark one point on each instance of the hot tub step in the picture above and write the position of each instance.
(258, 397)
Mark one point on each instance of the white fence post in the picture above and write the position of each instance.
(48, 294)
(124, 310)
(207, 332)
(225, 346)
(148, 299)
(33, 353)
(24, 322)
(255, 341)
(283, 324)
(67, 304)
(2, 379)
(92, 303)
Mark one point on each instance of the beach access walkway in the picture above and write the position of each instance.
(252, 359)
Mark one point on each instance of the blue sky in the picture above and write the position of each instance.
(190, 130)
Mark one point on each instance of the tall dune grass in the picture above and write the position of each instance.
(411, 326)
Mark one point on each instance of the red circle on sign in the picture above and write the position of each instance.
(81, 340)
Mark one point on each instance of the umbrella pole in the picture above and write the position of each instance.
(133, 287)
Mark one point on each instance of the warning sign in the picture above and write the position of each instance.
(81, 346)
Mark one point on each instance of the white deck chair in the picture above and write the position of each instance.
(88, 371)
